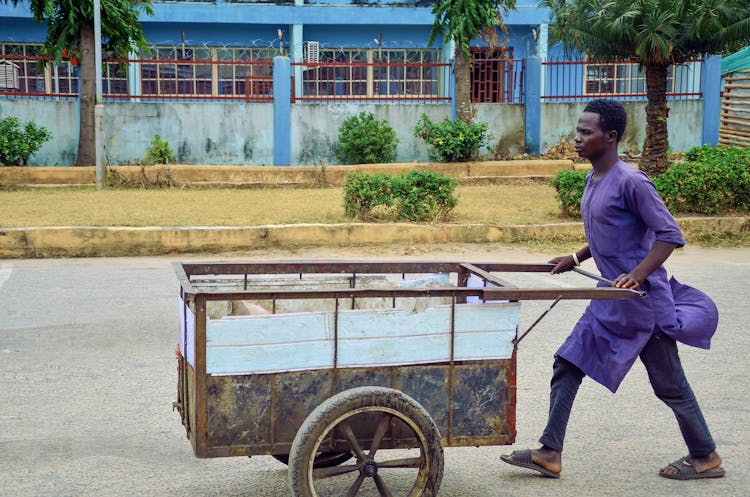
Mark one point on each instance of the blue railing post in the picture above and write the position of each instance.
(532, 96)
(282, 110)
(711, 89)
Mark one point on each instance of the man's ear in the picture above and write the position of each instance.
(612, 136)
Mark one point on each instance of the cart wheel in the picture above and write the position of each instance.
(359, 420)
(322, 459)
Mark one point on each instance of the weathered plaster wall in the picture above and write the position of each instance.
(684, 125)
(505, 129)
(204, 133)
(60, 117)
(242, 134)
(315, 129)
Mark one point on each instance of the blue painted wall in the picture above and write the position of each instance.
(197, 34)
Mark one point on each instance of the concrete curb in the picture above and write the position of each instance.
(277, 175)
(72, 241)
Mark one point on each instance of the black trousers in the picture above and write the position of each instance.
(667, 379)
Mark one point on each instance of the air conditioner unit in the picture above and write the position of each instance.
(312, 52)
(8, 75)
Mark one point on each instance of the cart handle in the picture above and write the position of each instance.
(602, 279)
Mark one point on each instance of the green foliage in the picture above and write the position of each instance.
(654, 31)
(18, 143)
(465, 20)
(365, 140)
(159, 152)
(569, 185)
(712, 180)
(452, 141)
(656, 34)
(65, 19)
(415, 196)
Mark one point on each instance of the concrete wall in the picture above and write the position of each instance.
(506, 124)
(242, 134)
(60, 117)
(315, 129)
(684, 125)
(203, 133)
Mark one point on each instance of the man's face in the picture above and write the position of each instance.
(590, 141)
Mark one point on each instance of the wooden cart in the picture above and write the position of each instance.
(326, 364)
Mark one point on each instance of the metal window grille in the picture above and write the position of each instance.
(572, 80)
(496, 77)
(374, 74)
(225, 73)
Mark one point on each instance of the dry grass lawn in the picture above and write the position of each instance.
(84, 206)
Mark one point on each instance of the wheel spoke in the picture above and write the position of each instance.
(409, 462)
(382, 487)
(385, 421)
(353, 440)
(355, 486)
(320, 473)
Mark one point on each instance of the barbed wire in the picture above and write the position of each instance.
(264, 49)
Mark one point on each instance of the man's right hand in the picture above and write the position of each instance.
(562, 264)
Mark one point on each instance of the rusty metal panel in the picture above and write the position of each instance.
(297, 394)
(480, 397)
(428, 385)
(239, 409)
(260, 414)
(190, 407)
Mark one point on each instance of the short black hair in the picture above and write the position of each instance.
(612, 115)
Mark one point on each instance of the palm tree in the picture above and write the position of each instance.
(70, 34)
(656, 34)
(462, 21)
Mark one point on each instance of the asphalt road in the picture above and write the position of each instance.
(87, 378)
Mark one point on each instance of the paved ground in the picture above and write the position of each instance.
(87, 378)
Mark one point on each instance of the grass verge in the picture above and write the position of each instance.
(85, 206)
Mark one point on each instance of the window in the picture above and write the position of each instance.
(373, 73)
(624, 79)
(208, 72)
(405, 73)
(628, 79)
(492, 75)
(56, 79)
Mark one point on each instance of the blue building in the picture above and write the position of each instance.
(346, 56)
(385, 31)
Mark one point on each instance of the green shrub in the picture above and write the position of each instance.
(415, 196)
(159, 152)
(365, 140)
(712, 180)
(569, 185)
(18, 143)
(452, 141)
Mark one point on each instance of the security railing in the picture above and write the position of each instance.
(371, 81)
(142, 79)
(583, 80)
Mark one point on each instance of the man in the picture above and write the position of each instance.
(630, 233)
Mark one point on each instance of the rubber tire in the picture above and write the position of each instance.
(322, 460)
(319, 423)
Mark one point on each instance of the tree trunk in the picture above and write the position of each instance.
(87, 81)
(462, 70)
(655, 158)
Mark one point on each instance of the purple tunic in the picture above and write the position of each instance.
(622, 216)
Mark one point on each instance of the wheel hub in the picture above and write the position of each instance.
(370, 468)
